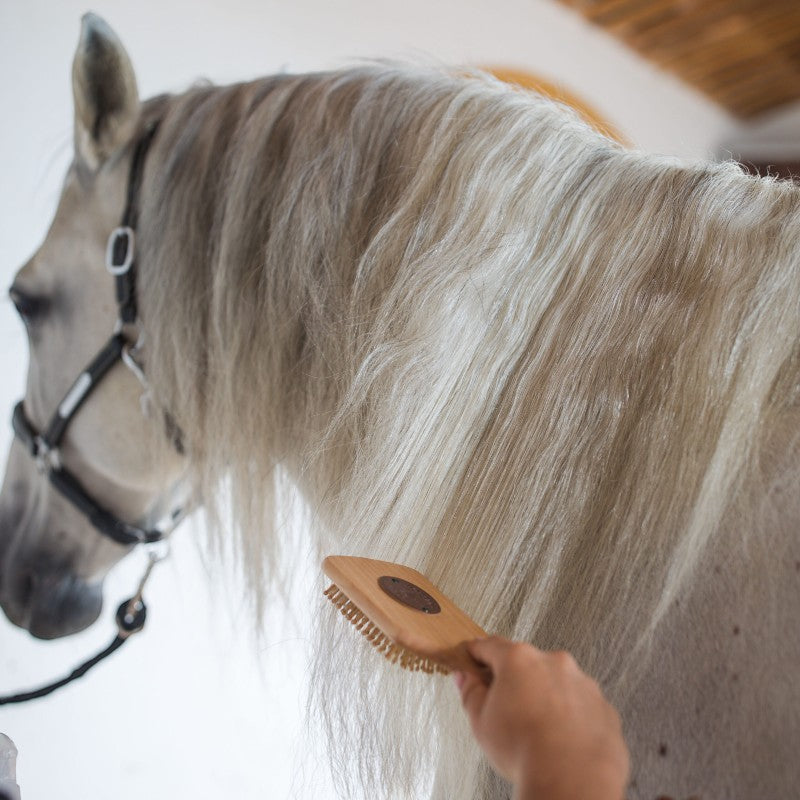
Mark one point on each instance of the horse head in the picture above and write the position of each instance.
(53, 558)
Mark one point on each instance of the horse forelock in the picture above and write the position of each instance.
(482, 339)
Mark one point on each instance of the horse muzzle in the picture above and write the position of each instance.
(49, 603)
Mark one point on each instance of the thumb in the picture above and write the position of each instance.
(473, 694)
(491, 651)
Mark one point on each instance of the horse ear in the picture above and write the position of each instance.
(105, 93)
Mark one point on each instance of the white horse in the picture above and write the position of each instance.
(559, 377)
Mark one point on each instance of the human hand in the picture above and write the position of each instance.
(544, 724)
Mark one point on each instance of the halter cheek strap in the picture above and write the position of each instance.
(44, 446)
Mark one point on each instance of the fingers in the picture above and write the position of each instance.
(490, 651)
(473, 693)
(497, 652)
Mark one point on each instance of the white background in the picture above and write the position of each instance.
(193, 706)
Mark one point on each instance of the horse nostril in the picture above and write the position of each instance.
(27, 586)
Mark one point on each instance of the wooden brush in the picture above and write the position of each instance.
(403, 615)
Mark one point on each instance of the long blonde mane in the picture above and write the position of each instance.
(484, 341)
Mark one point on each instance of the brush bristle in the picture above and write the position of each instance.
(392, 651)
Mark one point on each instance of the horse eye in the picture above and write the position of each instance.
(29, 307)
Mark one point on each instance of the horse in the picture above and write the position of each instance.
(558, 376)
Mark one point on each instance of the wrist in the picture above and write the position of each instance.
(587, 782)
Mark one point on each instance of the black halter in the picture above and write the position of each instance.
(43, 447)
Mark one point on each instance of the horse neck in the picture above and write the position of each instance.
(333, 294)
(231, 288)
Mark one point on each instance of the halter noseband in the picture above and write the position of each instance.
(44, 446)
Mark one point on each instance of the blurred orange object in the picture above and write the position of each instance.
(526, 80)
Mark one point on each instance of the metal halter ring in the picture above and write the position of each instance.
(46, 458)
(119, 263)
(128, 357)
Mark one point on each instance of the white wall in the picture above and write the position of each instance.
(187, 708)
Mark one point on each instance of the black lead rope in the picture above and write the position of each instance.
(128, 624)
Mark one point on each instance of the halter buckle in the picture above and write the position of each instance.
(119, 250)
(47, 458)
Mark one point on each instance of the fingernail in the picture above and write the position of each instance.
(459, 677)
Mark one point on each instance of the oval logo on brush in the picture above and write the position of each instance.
(409, 594)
